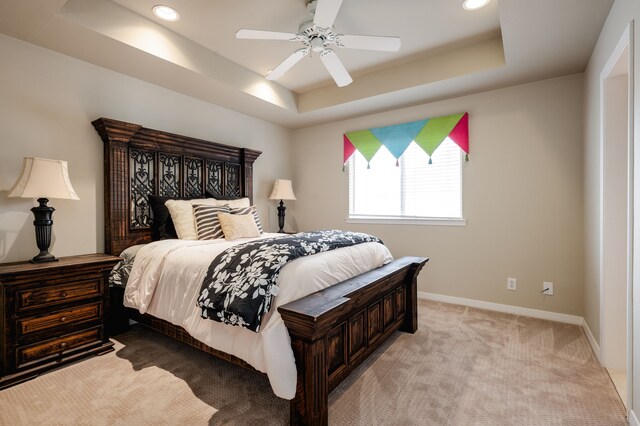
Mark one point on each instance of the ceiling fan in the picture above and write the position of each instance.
(316, 33)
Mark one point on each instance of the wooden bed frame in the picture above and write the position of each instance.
(332, 331)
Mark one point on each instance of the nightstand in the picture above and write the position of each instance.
(52, 313)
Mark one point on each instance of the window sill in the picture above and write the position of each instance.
(390, 220)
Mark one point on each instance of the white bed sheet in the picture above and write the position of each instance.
(167, 275)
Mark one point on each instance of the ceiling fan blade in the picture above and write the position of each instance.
(333, 64)
(326, 12)
(265, 35)
(287, 64)
(366, 42)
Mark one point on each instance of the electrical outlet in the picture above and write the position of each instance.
(547, 288)
(511, 284)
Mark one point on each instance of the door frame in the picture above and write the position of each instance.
(624, 45)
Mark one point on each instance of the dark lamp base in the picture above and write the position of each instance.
(281, 209)
(46, 257)
(42, 223)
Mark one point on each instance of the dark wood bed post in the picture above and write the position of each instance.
(249, 156)
(329, 340)
(116, 136)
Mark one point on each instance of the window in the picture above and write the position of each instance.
(414, 189)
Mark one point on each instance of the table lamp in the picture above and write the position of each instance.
(43, 179)
(282, 190)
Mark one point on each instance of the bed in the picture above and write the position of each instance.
(331, 331)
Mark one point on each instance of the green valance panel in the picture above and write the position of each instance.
(428, 134)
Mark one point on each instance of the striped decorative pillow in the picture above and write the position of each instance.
(206, 221)
(247, 210)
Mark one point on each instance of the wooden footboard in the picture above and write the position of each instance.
(336, 329)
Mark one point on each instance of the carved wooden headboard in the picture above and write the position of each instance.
(139, 162)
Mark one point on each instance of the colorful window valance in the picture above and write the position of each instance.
(428, 134)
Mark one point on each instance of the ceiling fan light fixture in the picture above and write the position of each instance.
(317, 44)
(166, 13)
(474, 4)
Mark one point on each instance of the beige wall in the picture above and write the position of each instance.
(522, 196)
(620, 17)
(47, 103)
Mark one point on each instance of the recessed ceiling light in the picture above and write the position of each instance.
(165, 12)
(474, 4)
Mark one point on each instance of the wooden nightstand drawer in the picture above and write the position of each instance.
(57, 294)
(90, 312)
(56, 347)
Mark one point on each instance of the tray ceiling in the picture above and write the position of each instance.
(446, 51)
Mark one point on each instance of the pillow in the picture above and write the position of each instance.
(162, 225)
(237, 203)
(206, 220)
(182, 215)
(236, 226)
(233, 203)
(247, 210)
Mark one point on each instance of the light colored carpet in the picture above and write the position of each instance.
(464, 366)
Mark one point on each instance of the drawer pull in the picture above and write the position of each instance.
(63, 345)
(64, 294)
(63, 319)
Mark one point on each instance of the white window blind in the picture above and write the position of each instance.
(414, 190)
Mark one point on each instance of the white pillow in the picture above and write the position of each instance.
(236, 204)
(181, 212)
(237, 226)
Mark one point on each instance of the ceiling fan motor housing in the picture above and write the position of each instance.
(314, 37)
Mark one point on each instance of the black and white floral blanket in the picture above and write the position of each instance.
(241, 282)
(119, 275)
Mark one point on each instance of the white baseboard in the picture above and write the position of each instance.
(592, 341)
(633, 420)
(516, 310)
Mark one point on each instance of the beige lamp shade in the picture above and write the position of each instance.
(282, 190)
(44, 178)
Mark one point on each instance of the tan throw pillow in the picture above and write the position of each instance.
(247, 210)
(236, 226)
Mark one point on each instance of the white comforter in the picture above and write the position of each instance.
(167, 275)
